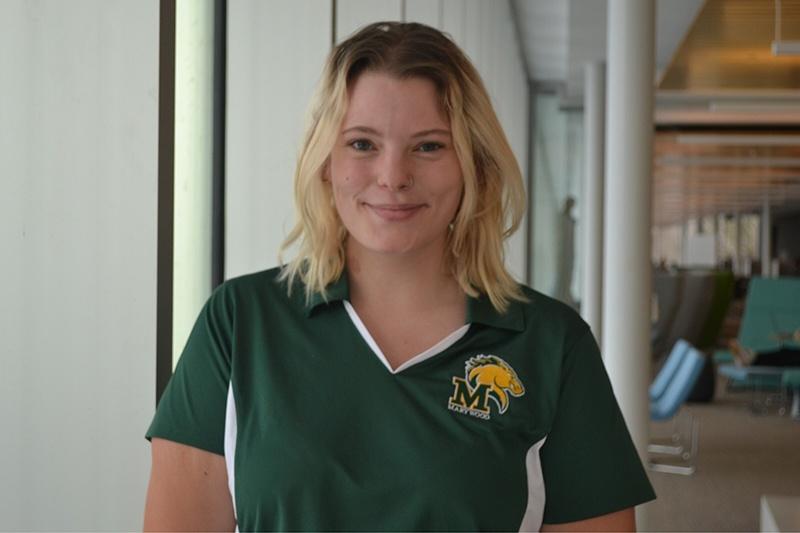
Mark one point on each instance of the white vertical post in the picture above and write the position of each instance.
(626, 267)
(684, 240)
(594, 145)
(766, 235)
(194, 105)
(739, 262)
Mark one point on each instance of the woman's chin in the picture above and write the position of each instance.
(410, 240)
(396, 247)
(393, 249)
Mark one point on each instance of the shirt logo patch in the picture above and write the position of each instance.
(487, 376)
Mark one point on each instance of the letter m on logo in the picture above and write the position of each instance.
(468, 398)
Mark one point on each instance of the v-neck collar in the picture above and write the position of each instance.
(436, 349)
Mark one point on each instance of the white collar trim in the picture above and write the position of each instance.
(437, 348)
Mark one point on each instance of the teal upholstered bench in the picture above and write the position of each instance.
(772, 307)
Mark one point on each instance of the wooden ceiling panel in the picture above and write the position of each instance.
(719, 172)
(729, 48)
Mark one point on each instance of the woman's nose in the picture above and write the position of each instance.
(395, 173)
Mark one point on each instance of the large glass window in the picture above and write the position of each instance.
(194, 63)
(671, 242)
(557, 199)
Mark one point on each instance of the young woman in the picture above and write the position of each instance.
(394, 376)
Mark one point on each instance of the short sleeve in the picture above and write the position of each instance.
(192, 408)
(589, 462)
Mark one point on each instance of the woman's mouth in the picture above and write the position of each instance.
(395, 212)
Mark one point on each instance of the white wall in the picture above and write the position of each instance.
(352, 14)
(276, 51)
(78, 154)
(499, 60)
(425, 12)
(275, 56)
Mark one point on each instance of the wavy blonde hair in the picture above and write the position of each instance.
(493, 201)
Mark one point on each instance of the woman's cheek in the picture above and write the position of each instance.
(356, 176)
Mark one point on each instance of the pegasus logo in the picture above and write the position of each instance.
(487, 376)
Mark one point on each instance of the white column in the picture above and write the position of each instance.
(594, 144)
(739, 262)
(684, 240)
(766, 224)
(194, 101)
(626, 266)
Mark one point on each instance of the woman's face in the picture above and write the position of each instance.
(394, 174)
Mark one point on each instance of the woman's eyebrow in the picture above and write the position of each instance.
(366, 129)
(363, 129)
(431, 132)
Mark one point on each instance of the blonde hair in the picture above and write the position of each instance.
(493, 201)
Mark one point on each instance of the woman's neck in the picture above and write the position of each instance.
(401, 281)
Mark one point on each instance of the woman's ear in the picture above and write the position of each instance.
(326, 171)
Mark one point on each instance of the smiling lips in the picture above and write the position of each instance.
(395, 212)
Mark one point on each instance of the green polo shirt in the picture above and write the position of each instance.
(507, 423)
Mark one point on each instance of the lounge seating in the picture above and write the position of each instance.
(668, 288)
(668, 370)
(667, 405)
(658, 387)
(692, 305)
(720, 301)
(772, 309)
(763, 381)
(682, 318)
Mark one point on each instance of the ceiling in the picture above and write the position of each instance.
(559, 36)
(710, 172)
(729, 47)
(727, 109)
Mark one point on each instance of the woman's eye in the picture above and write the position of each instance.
(430, 147)
(361, 145)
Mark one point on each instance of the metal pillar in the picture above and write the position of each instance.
(594, 144)
(626, 265)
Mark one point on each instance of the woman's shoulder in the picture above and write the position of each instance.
(541, 310)
(261, 286)
(267, 279)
